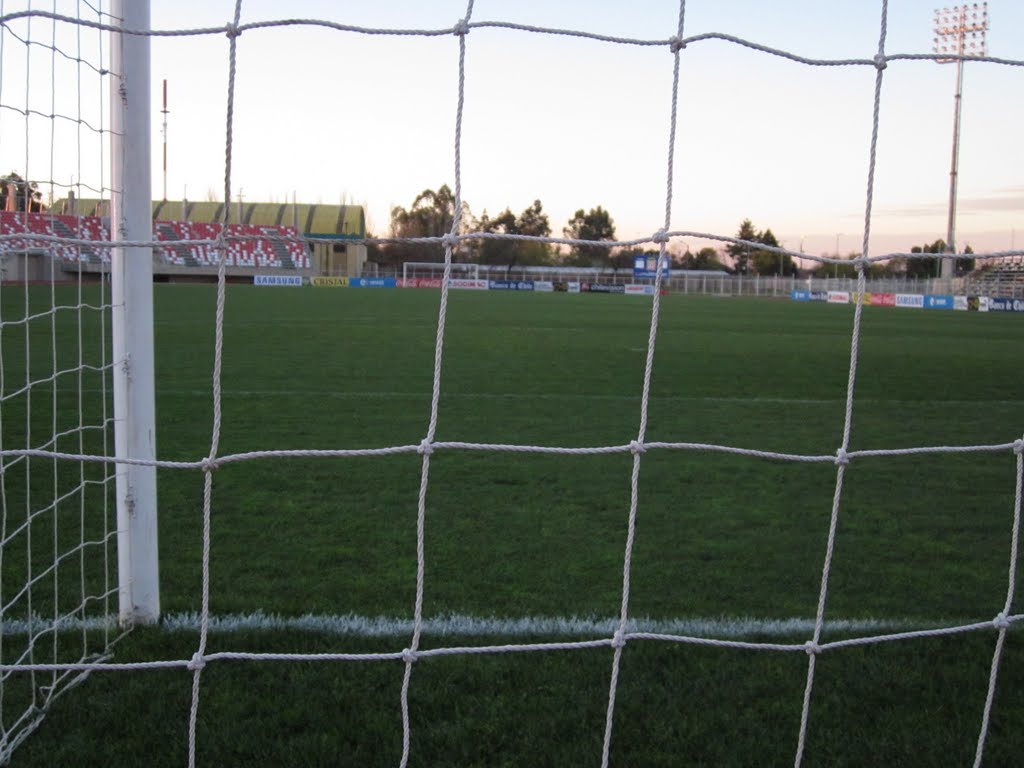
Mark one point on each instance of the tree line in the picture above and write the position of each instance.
(432, 213)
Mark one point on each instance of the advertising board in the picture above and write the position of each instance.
(329, 282)
(278, 280)
(937, 301)
(645, 265)
(1005, 305)
(640, 290)
(419, 282)
(910, 300)
(883, 299)
(373, 282)
(510, 285)
(467, 284)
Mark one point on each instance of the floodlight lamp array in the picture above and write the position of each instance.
(960, 31)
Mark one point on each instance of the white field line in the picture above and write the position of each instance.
(387, 395)
(459, 625)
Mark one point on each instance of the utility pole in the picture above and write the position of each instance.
(959, 33)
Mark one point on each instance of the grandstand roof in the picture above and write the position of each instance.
(317, 220)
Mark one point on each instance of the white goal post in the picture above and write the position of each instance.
(131, 271)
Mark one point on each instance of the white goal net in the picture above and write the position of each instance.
(58, 533)
(62, 543)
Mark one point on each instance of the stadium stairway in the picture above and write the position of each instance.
(279, 249)
(61, 229)
(167, 233)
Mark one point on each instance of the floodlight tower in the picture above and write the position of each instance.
(164, 113)
(959, 32)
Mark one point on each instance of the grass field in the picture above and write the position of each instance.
(922, 541)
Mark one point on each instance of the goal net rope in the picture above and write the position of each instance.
(49, 462)
(58, 587)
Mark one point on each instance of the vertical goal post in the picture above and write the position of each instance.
(132, 316)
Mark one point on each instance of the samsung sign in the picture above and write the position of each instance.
(289, 280)
(909, 300)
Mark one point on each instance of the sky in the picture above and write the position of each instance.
(334, 116)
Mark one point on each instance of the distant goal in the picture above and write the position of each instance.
(428, 270)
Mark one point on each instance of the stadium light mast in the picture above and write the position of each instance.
(164, 131)
(959, 32)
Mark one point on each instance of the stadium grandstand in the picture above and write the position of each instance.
(303, 239)
(1000, 277)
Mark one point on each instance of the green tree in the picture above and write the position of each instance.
(533, 222)
(705, 259)
(849, 269)
(624, 259)
(933, 267)
(925, 267)
(430, 215)
(595, 224)
(741, 253)
(26, 193)
(770, 262)
(748, 259)
(846, 269)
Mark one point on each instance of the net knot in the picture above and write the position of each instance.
(859, 263)
(635, 447)
(675, 44)
(232, 30)
(812, 648)
(426, 447)
(1001, 621)
(197, 662)
(409, 655)
(208, 464)
(619, 639)
(880, 62)
(1018, 446)
(449, 241)
(220, 244)
(461, 28)
(842, 457)
(661, 236)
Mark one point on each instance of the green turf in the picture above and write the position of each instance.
(920, 539)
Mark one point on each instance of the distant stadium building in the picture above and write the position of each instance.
(263, 235)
